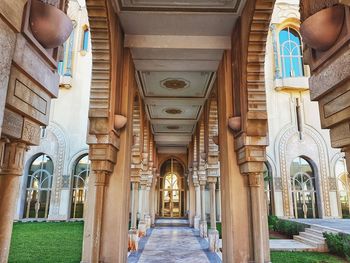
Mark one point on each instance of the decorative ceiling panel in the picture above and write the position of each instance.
(175, 111)
(176, 84)
(180, 5)
(173, 128)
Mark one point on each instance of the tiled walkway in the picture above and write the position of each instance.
(173, 245)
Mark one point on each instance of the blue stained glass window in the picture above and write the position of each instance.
(69, 56)
(291, 53)
(86, 40)
(65, 65)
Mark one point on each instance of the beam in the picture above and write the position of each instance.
(179, 42)
(176, 65)
(173, 122)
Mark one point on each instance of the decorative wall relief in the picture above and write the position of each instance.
(27, 97)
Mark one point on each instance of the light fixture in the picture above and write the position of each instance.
(235, 123)
(119, 121)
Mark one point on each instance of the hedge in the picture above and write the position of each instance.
(338, 244)
(285, 227)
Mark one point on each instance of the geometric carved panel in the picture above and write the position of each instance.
(332, 184)
(13, 124)
(27, 98)
(31, 132)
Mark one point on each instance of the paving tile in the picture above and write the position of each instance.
(174, 245)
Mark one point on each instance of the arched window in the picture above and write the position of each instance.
(39, 184)
(268, 186)
(291, 53)
(343, 179)
(79, 186)
(303, 189)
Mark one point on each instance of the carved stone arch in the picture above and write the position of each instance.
(136, 127)
(323, 169)
(177, 158)
(104, 28)
(213, 125)
(321, 164)
(58, 171)
(73, 160)
(335, 158)
(249, 84)
(201, 140)
(272, 164)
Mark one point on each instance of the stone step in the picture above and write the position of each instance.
(323, 229)
(290, 245)
(172, 223)
(318, 238)
(319, 246)
(314, 232)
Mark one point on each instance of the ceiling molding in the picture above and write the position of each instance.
(178, 42)
(219, 6)
(176, 65)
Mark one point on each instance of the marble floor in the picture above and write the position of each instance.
(173, 245)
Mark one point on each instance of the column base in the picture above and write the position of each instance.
(196, 221)
(203, 229)
(133, 242)
(142, 229)
(213, 235)
(148, 221)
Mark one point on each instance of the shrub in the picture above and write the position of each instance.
(285, 227)
(338, 244)
(272, 221)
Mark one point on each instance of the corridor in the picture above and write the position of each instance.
(173, 245)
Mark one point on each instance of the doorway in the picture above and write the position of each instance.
(172, 189)
(303, 189)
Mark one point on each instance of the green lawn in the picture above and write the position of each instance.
(46, 242)
(62, 242)
(304, 257)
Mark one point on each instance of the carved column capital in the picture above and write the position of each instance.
(255, 179)
(12, 157)
(202, 182)
(212, 179)
(101, 178)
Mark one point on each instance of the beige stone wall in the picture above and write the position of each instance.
(7, 47)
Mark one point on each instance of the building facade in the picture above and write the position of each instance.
(54, 181)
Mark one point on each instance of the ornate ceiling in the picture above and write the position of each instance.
(180, 5)
(177, 47)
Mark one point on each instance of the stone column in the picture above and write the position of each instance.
(203, 228)
(11, 167)
(153, 201)
(133, 233)
(147, 206)
(259, 216)
(218, 201)
(213, 233)
(197, 217)
(142, 223)
(100, 185)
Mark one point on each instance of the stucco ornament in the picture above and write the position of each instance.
(44, 18)
(321, 30)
